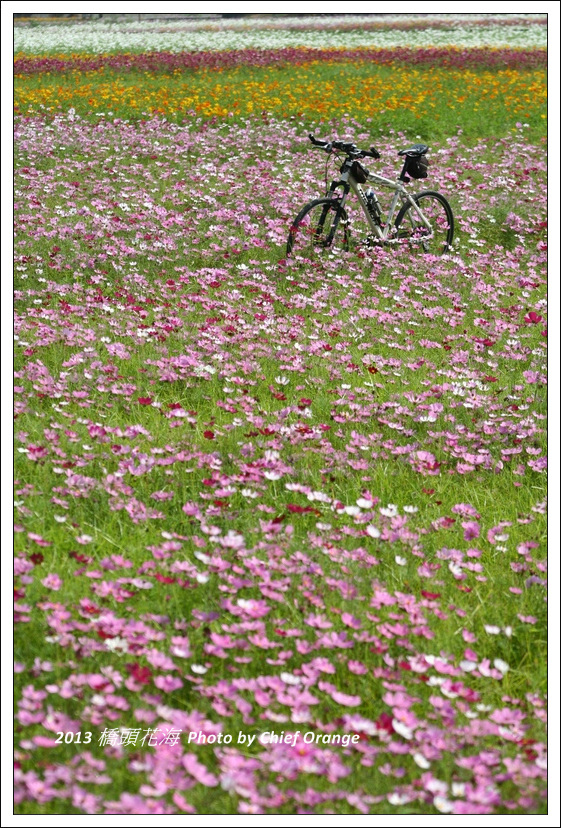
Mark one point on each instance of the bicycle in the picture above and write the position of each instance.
(424, 220)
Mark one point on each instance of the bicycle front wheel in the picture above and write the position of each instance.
(320, 226)
(409, 224)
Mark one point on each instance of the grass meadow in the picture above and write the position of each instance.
(280, 538)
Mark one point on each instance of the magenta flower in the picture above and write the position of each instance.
(471, 530)
(197, 770)
(52, 581)
(345, 699)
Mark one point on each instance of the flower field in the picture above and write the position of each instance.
(280, 525)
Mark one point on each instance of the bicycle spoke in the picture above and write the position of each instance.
(435, 239)
(320, 227)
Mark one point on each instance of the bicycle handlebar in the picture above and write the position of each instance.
(347, 147)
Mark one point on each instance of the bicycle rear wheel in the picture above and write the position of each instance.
(319, 227)
(409, 225)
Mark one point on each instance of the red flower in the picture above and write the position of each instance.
(299, 510)
(384, 722)
(533, 318)
(164, 579)
(140, 674)
(36, 558)
(145, 400)
(80, 558)
(209, 435)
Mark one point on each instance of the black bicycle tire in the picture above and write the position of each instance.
(450, 215)
(310, 206)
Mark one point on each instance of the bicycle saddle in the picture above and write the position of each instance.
(415, 151)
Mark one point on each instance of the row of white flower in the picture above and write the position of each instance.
(176, 36)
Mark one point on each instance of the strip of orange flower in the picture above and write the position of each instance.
(316, 88)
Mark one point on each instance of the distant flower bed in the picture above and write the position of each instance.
(311, 89)
(179, 36)
(187, 60)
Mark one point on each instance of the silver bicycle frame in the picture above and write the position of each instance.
(400, 194)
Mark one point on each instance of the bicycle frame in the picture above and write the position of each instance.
(381, 231)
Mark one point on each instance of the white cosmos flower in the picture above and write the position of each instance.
(448, 693)
(288, 678)
(364, 503)
(201, 556)
(443, 805)
(320, 496)
(402, 729)
(198, 668)
(400, 561)
(372, 531)
(397, 799)
(117, 644)
(501, 665)
(421, 761)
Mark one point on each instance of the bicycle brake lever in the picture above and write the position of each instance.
(375, 152)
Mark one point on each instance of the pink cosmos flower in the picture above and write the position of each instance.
(37, 452)
(351, 621)
(471, 530)
(425, 463)
(346, 700)
(199, 771)
(38, 539)
(52, 581)
(44, 741)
